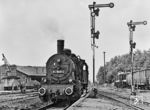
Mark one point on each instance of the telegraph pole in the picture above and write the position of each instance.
(132, 44)
(104, 68)
(94, 11)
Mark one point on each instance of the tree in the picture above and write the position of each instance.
(141, 60)
(100, 75)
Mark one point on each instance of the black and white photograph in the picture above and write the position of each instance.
(74, 55)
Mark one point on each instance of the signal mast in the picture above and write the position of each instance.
(132, 44)
(94, 11)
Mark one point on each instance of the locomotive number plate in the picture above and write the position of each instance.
(58, 71)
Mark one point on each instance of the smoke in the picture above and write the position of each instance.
(28, 19)
(27, 28)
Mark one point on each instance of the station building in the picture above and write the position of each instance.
(12, 76)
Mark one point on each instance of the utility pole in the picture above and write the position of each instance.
(104, 68)
(132, 44)
(94, 11)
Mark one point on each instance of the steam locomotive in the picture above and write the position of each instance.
(66, 76)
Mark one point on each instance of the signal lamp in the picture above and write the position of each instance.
(145, 22)
(96, 35)
(96, 12)
(133, 45)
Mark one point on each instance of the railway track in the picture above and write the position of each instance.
(17, 101)
(28, 101)
(61, 105)
(52, 106)
(125, 96)
(31, 101)
(14, 97)
(122, 100)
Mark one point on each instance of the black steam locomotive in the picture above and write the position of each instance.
(66, 76)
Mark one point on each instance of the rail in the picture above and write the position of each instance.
(122, 100)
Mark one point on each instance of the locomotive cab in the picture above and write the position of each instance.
(121, 80)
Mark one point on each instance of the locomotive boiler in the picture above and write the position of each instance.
(66, 76)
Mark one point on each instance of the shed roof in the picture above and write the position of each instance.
(32, 70)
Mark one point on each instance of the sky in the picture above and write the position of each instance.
(29, 29)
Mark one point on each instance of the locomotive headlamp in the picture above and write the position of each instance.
(44, 80)
(58, 60)
(70, 80)
(124, 80)
(68, 90)
(42, 91)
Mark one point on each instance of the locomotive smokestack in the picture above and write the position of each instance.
(60, 46)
